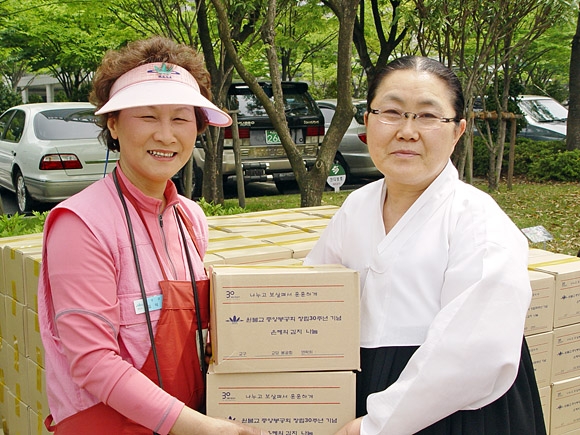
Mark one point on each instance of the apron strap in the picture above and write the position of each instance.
(189, 228)
(195, 293)
(139, 276)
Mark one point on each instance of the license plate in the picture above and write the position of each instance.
(272, 137)
(254, 172)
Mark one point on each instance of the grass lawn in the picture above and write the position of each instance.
(555, 206)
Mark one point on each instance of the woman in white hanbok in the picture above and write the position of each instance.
(443, 272)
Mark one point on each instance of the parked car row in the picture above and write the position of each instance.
(50, 151)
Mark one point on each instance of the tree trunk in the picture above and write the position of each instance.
(573, 128)
(311, 183)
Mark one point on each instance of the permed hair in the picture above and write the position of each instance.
(115, 63)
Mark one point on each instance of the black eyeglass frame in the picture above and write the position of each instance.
(415, 116)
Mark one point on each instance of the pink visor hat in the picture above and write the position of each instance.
(156, 84)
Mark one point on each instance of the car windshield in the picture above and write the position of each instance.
(294, 104)
(545, 110)
(72, 123)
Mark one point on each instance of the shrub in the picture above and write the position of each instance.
(560, 166)
(534, 160)
(17, 224)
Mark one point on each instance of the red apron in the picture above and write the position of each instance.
(177, 351)
(180, 371)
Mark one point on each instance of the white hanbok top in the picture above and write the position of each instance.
(450, 277)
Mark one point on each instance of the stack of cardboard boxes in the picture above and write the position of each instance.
(553, 336)
(285, 336)
(285, 342)
(23, 403)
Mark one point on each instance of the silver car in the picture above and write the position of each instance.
(352, 154)
(545, 118)
(50, 151)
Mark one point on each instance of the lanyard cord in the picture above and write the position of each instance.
(140, 278)
(201, 349)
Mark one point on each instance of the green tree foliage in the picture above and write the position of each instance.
(65, 39)
(8, 98)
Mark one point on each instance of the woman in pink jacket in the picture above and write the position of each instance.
(124, 308)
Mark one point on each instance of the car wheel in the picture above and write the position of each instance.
(287, 186)
(23, 199)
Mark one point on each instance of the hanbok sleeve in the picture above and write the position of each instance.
(471, 354)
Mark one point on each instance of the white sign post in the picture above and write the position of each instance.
(336, 177)
(537, 234)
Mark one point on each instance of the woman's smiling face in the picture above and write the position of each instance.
(155, 143)
(406, 153)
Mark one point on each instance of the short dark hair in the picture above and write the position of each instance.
(425, 64)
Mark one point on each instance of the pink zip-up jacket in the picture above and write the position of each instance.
(95, 342)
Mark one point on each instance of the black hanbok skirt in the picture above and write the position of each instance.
(517, 412)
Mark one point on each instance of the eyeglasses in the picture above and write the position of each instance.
(425, 120)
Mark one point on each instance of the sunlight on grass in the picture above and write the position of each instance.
(554, 206)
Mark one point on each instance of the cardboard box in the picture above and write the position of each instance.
(17, 415)
(3, 409)
(314, 403)
(300, 242)
(565, 407)
(13, 259)
(297, 220)
(275, 319)
(541, 346)
(566, 353)
(32, 263)
(325, 211)
(538, 255)
(37, 398)
(34, 346)
(285, 262)
(8, 241)
(247, 251)
(566, 270)
(3, 361)
(246, 227)
(3, 323)
(3, 405)
(16, 373)
(36, 423)
(545, 400)
(211, 259)
(273, 214)
(15, 334)
(540, 317)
